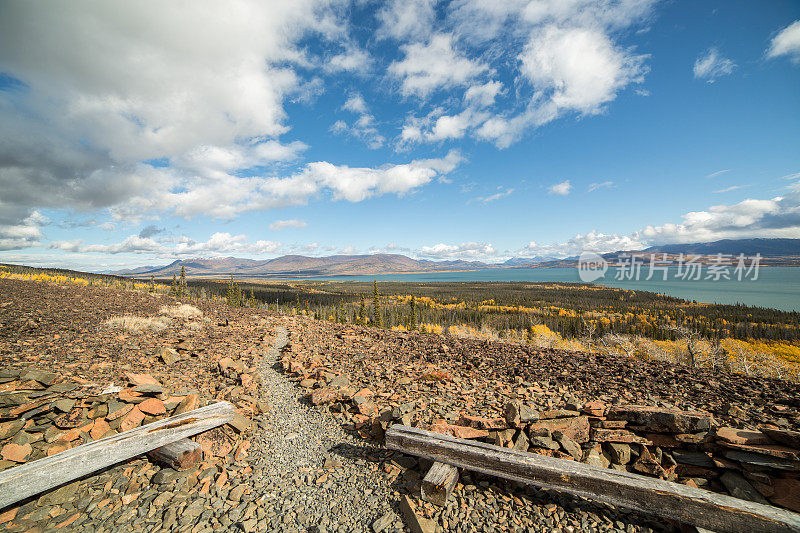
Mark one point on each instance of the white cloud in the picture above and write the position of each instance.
(355, 103)
(593, 241)
(25, 234)
(718, 173)
(407, 19)
(282, 224)
(600, 185)
(109, 86)
(220, 243)
(352, 60)
(468, 251)
(731, 188)
(483, 95)
(561, 189)
(581, 68)
(435, 65)
(711, 66)
(786, 43)
(501, 193)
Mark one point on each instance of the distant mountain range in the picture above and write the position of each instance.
(774, 252)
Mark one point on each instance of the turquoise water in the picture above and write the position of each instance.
(776, 287)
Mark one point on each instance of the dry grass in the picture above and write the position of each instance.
(184, 311)
(137, 324)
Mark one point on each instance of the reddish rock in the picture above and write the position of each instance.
(772, 450)
(460, 432)
(120, 412)
(368, 409)
(18, 453)
(595, 408)
(783, 436)
(152, 407)
(323, 396)
(787, 493)
(132, 420)
(741, 436)
(481, 422)
(617, 435)
(576, 428)
(189, 403)
(130, 396)
(141, 379)
(70, 419)
(661, 419)
(99, 429)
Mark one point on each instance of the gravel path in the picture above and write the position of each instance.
(310, 474)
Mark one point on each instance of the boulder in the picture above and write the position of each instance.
(576, 428)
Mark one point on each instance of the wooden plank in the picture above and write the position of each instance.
(438, 483)
(717, 512)
(415, 522)
(180, 455)
(28, 479)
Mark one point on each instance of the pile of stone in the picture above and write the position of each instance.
(43, 413)
(688, 447)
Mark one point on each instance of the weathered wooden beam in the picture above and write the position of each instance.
(717, 512)
(180, 455)
(438, 483)
(26, 480)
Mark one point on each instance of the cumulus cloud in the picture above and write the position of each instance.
(25, 234)
(562, 189)
(220, 243)
(786, 43)
(283, 224)
(407, 19)
(105, 88)
(712, 65)
(567, 53)
(436, 64)
(468, 251)
(363, 127)
(149, 231)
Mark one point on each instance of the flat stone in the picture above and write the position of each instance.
(460, 432)
(693, 458)
(742, 436)
(617, 435)
(141, 379)
(576, 428)
(151, 389)
(517, 413)
(787, 493)
(482, 422)
(557, 413)
(239, 423)
(544, 442)
(16, 452)
(661, 419)
(762, 460)
(740, 488)
(153, 407)
(9, 429)
(774, 450)
(72, 419)
(189, 403)
(42, 376)
(594, 408)
(783, 436)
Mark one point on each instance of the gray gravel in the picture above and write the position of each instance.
(291, 455)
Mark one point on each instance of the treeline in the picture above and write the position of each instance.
(571, 310)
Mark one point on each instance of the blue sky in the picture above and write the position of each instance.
(138, 133)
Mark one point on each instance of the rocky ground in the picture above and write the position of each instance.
(305, 452)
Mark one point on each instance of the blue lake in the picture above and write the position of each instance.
(776, 287)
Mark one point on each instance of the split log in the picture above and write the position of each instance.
(438, 483)
(180, 455)
(717, 512)
(26, 480)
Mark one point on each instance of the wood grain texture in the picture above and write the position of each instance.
(438, 483)
(180, 455)
(717, 512)
(35, 477)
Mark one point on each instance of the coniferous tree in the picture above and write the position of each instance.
(412, 322)
(362, 313)
(173, 289)
(152, 283)
(376, 305)
(182, 283)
